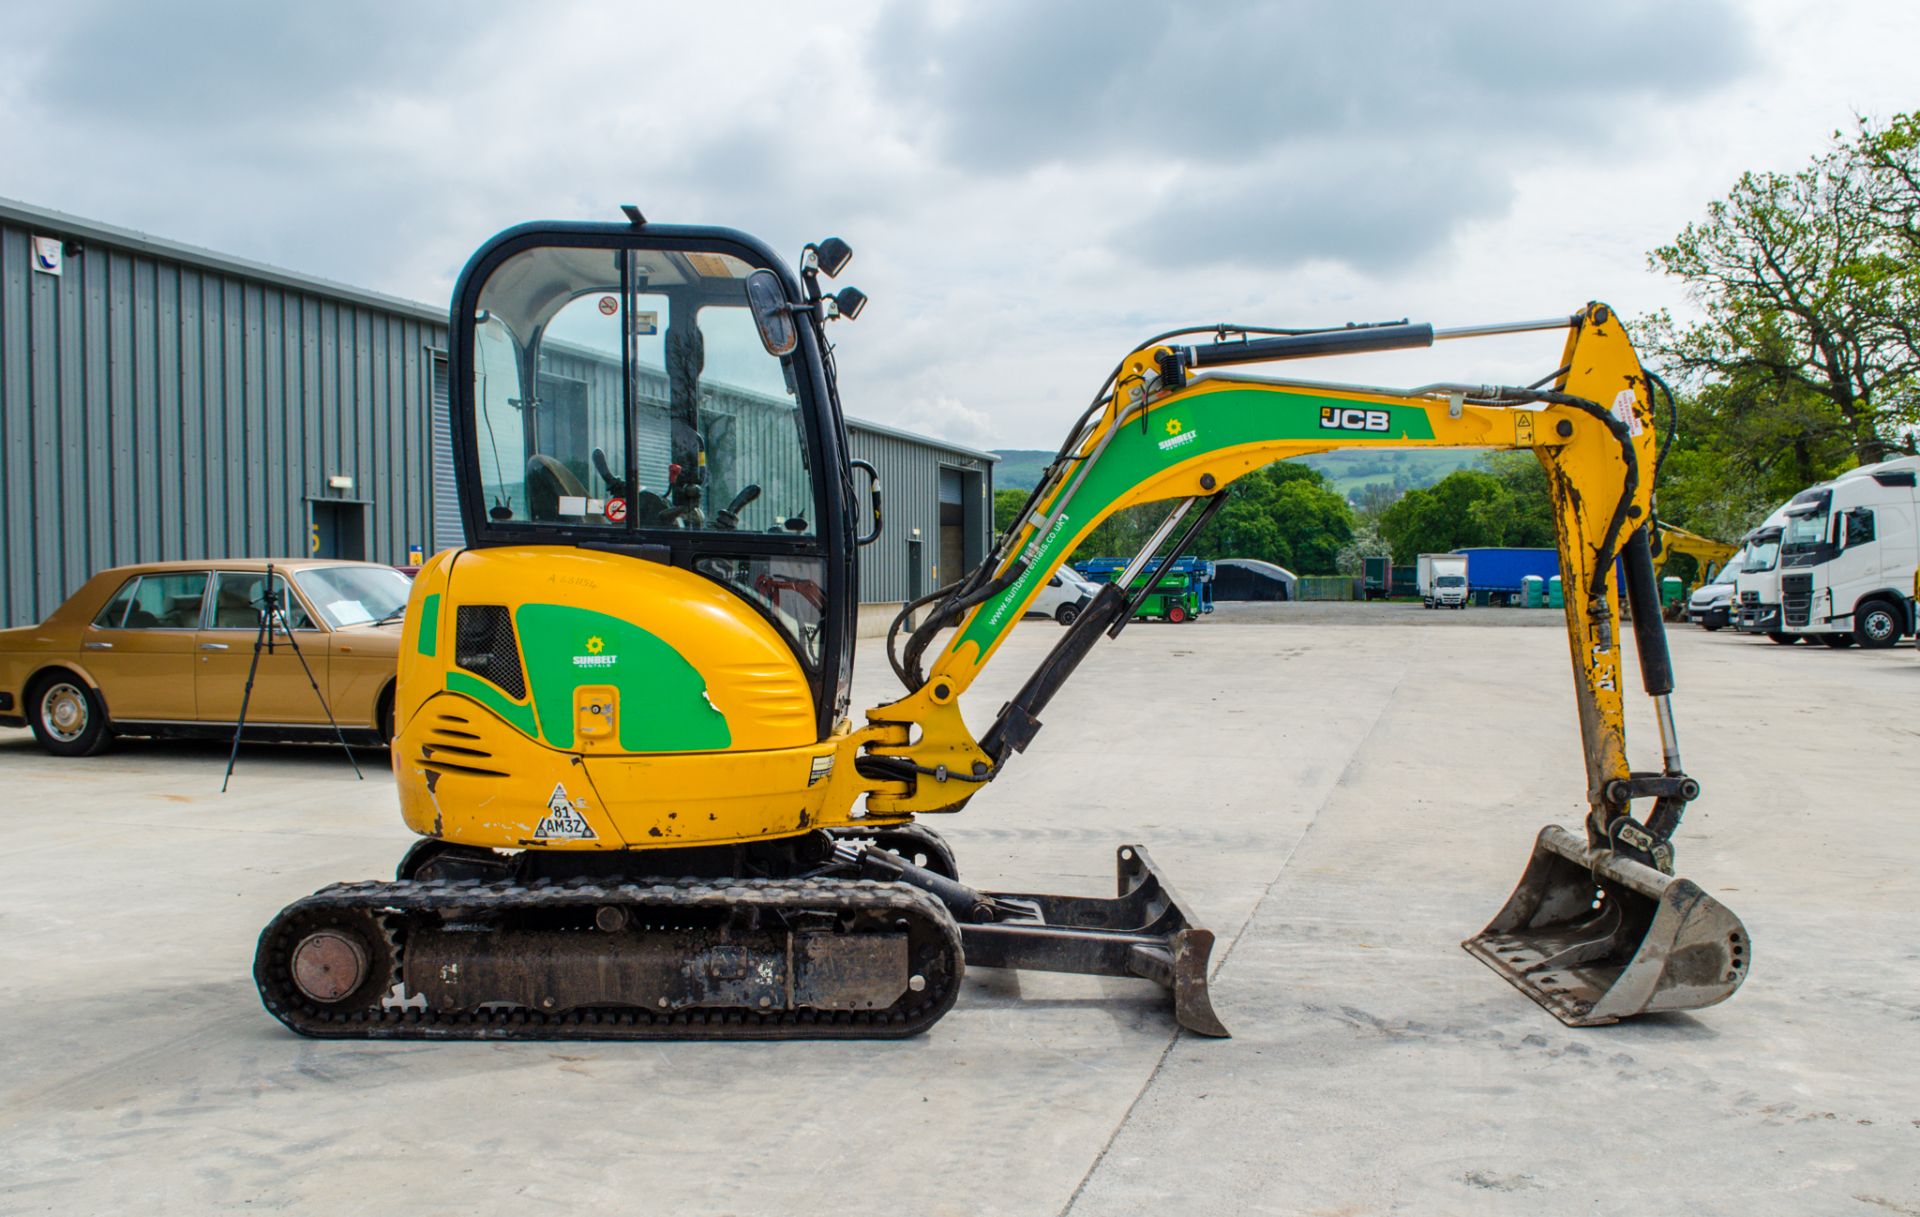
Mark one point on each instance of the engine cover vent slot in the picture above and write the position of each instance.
(484, 645)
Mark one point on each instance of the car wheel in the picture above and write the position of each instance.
(384, 717)
(1837, 641)
(67, 717)
(1877, 624)
(1785, 640)
(1067, 614)
(1708, 626)
(1176, 613)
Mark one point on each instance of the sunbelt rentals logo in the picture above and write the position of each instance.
(1177, 435)
(595, 657)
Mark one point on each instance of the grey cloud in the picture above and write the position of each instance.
(228, 63)
(1371, 207)
(1359, 132)
(1011, 85)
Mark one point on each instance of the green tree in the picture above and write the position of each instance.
(1807, 285)
(1285, 513)
(1442, 517)
(1006, 508)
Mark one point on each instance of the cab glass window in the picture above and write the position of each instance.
(1859, 527)
(238, 597)
(356, 595)
(166, 602)
(790, 589)
(1805, 531)
(114, 612)
(619, 390)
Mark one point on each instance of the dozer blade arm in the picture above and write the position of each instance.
(1166, 428)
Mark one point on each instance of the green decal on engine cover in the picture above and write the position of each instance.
(517, 713)
(663, 698)
(427, 641)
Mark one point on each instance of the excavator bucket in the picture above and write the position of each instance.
(1596, 938)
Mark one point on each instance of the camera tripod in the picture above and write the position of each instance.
(273, 613)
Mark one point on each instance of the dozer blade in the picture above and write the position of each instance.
(1596, 938)
(1148, 932)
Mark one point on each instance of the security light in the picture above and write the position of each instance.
(850, 300)
(834, 254)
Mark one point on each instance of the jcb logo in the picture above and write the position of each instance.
(1333, 418)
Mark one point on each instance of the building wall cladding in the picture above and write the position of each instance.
(158, 401)
(156, 406)
(910, 487)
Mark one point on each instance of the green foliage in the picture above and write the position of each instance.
(1006, 507)
(1509, 505)
(1807, 282)
(1284, 513)
(1388, 472)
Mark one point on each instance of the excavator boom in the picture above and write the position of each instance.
(1591, 930)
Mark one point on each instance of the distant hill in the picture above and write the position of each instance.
(1019, 468)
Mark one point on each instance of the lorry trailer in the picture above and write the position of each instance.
(1498, 574)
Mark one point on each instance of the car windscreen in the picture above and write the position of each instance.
(355, 595)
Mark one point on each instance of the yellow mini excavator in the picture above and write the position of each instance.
(623, 708)
(1708, 557)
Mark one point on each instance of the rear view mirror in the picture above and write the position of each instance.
(768, 300)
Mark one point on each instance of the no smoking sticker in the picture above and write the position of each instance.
(609, 306)
(616, 510)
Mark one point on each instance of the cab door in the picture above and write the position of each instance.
(225, 644)
(139, 649)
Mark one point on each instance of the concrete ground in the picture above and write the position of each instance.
(1344, 796)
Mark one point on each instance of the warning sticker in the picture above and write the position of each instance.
(616, 510)
(821, 770)
(562, 822)
(1523, 427)
(609, 306)
(1623, 402)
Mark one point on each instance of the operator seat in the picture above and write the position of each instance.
(547, 482)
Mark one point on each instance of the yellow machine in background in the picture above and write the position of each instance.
(1708, 557)
(623, 710)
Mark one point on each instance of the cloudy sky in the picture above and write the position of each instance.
(1031, 187)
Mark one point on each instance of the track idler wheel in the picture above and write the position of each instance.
(330, 964)
(335, 963)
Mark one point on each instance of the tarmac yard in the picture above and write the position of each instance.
(1343, 795)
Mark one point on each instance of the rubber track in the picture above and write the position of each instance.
(392, 903)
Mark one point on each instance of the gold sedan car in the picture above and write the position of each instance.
(164, 648)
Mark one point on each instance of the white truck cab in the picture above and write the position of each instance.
(1756, 595)
(1441, 580)
(1848, 556)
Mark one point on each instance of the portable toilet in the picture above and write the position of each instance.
(1555, 597)
(1533, 591)
(1670, 590)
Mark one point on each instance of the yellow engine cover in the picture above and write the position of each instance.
(552, 697)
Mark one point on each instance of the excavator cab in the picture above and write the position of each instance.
(659, 391)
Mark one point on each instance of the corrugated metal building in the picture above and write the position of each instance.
(161, 401)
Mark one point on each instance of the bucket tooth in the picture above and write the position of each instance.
(1596, 938)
